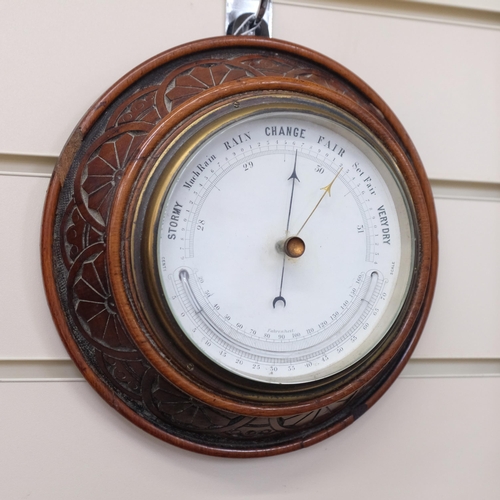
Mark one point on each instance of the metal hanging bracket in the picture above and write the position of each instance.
(249, 17)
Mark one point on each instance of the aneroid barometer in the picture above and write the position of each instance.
(240, 246)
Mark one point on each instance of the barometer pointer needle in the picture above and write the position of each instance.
(294, 178)
(326, 189)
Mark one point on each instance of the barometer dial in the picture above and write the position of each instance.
(284, 243)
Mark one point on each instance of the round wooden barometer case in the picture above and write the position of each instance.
(240, 246)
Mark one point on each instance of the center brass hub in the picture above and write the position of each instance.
(294, 247)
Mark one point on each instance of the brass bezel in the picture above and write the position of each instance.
(176, 152)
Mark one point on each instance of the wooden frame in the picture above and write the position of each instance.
(89, 265)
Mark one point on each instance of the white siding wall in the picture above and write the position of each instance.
(435, 434)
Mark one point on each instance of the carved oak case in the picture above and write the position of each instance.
(96, 287)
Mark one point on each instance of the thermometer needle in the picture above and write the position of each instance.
(294, 178)
(326, 190)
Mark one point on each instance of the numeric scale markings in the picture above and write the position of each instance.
(204, 190)
(218, 330)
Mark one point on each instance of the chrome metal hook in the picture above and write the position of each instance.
(239, 21)
(264, 4)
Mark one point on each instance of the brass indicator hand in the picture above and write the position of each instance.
(294, 178)
(327, 189)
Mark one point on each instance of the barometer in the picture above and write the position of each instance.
(240, 246)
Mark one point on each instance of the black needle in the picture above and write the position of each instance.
(294, 178)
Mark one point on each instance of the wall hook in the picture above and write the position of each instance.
(248, 17)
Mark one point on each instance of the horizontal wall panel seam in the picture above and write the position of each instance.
(27, 165)
(66, 371)
(442, 188)
(478, 16)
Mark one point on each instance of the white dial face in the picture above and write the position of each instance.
(257, 310)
